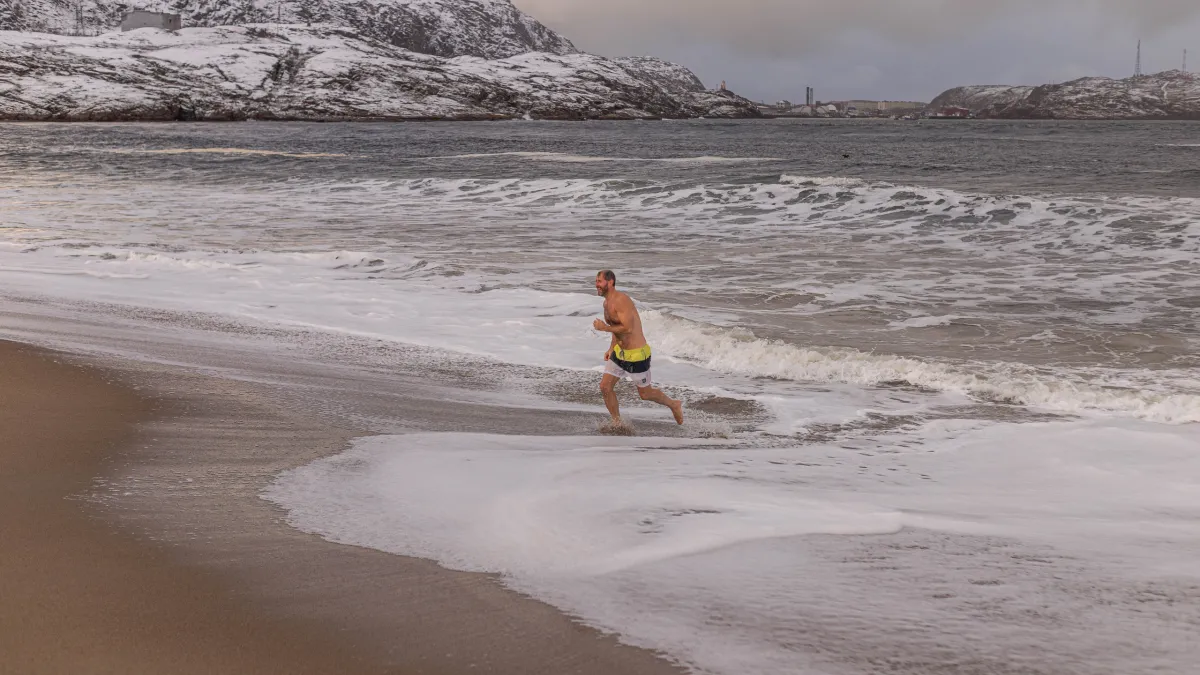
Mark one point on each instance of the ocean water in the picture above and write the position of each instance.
(943, 380)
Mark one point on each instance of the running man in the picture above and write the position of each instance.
(628, 354)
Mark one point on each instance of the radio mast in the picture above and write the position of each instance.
(1137, 68)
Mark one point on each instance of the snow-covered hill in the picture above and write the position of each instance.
(486, 28)
(977, 97)
(1172, 94)
(669, 76)
(271, 71)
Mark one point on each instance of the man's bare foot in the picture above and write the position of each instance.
(677, 411)
(616, 427)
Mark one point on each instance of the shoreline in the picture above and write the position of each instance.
(354, 120)
(83, 597)
(567, 119)
(216, 580)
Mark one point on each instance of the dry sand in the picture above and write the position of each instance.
(84, 592)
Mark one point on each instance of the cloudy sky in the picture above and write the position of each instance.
(893, 49)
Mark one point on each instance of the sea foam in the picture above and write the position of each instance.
(706, 551)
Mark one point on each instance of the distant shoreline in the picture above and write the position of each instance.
(482, 119)
(350, 120)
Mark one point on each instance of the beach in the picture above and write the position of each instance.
(333, 406)
(87, 592)
(83, 596)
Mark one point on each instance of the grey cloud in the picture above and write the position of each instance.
(898, 49)
(792, 27)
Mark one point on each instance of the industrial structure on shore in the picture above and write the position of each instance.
(852, 108)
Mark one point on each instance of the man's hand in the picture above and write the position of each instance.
(608, 354)
(599, 324)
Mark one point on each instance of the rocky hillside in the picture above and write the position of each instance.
(978, 97)
(669, 76)
(1168, 95)
(324, 73)
(489, 29)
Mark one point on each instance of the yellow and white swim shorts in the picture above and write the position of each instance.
(633, 364)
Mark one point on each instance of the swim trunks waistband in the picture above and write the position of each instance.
(632, 355)
(632, 360)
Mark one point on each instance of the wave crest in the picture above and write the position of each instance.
(740, 352)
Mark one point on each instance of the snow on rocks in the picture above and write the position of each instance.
(979, 97)
(1172, 94)
(485, 28)
(323, 72)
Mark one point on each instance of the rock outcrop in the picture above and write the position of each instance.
(978, 97)
(490, 29)
(1168, 95)
(270, 71)
(669, 76)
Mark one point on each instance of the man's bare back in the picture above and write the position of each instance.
(628, 354)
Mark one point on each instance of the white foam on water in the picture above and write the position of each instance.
(828, 181)
(1104, 249)
(1060, 390)
(333, 291)
(697, 550)
(590, 159)
(923, 322)
(226, 151)
(1014, 229)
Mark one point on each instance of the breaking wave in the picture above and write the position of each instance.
(884, 213)
(590, 159)
(740, 352)
(228, 151)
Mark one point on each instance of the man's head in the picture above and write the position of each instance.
(606, 281)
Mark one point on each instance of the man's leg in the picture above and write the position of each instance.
(657, 395)
(610, 397)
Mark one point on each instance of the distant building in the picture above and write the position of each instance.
(952, 112)
(723, 85)
(873, 106)
(140, 18)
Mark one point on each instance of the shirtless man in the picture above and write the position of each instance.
(628, 354)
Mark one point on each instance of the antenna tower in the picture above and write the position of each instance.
(1137, 69)
(1185, 60)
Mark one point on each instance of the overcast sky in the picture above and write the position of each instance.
(891, 49)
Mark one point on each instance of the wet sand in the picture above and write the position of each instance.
(214, 581)
(81, 596)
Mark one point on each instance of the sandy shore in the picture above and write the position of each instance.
(86, 589)
(82, 597)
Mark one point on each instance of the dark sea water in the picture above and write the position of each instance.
(956, 362)
(841, 233)
(1107, 158)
